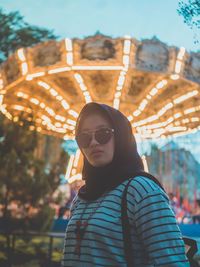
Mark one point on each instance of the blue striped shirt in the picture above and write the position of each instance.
(156, 238)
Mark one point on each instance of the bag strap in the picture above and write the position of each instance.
(126, 229)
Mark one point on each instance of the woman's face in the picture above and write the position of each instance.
(97, 154)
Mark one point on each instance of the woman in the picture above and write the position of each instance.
(94, 232)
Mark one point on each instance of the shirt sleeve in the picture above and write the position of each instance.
(157, 228)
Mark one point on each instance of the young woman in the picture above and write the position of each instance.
(94, 233)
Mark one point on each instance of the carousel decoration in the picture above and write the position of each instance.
(156, 86)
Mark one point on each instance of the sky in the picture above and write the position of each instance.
(141, 19)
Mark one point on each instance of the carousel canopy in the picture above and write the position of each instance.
(154, 85)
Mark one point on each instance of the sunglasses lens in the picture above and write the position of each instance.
(103, 135)
(84, 140)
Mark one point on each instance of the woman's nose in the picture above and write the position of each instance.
(93, 140)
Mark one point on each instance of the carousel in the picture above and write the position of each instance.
(156, 86)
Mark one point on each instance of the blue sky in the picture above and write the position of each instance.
(142, 19)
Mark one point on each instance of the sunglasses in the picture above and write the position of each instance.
(102, 136)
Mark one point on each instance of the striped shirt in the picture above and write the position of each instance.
(156, 238)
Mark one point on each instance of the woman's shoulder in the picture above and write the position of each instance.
(140, 187)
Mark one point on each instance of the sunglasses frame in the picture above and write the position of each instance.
(93, 133)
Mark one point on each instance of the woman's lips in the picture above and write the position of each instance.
(96, 153)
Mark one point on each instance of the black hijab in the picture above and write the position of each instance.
(126, 161)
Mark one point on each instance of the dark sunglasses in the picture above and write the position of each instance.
(102, 136)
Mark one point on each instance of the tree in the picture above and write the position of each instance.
(23, 177)
(16, 33)
(190, 10)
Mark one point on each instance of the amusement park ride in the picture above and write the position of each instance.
(156, 86)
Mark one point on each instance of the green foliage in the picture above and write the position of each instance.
(16, 33)
(23, 176)
(190, 10)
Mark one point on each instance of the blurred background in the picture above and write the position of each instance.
(141, 57)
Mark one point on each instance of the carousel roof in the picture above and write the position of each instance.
(154, 85)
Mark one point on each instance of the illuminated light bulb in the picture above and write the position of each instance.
(20, 53)
(15, 119)
(116, 103)
(152, 118)
(143, 104)
(1, 100)
(64, 104)
(24, 68)
(32, 127)
(18, 107)
(189, 110)
(181, 53)
(78, 78)
(86, 93)
(177, 115)
(174, 129)
(122, 73)
(60, 118)
(53, 92)
(121, 80)
(71, 122)
(186, 96)
(136, 113)
(77, 155)
(174, 76)
(20, 94)
(68, 44)
(161, 84)
(59, 97)
(194, 119)
(69, 58)
(65, 126)
(177, 123)
(119, 88)
(73, 171)
(83, 87)
(153, 91)
(66, 137)
(185, 120)
(45, 118)
(178, 66)
(127, 46)
(42, 105)
(125, 60)
(73, 113)
(74, 178)
(59, 70)
(34, 100)
(88, 99)
(39, 129)
(43, 84)
(169, 105)
(170, 120)
(148, 96)
(29, 77)
(34, 75)
(58, 124)
(118, 94)
(97, 68)
(50, 111)
(130, 118)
